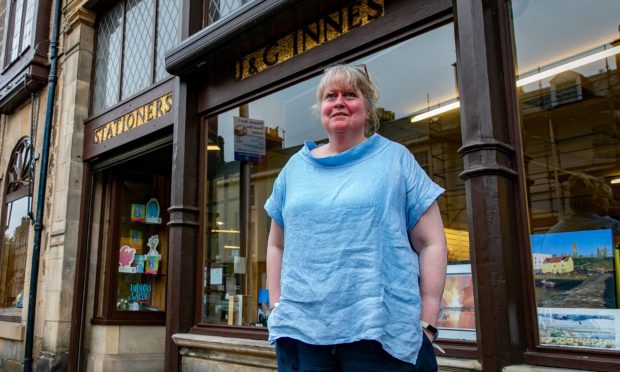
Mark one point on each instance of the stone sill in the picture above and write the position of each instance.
(259, 353)
(230, 344)
(12, 331)
(228, 350)
(528, 368)
(457, 364)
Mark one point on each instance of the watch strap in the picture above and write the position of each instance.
(431, 329)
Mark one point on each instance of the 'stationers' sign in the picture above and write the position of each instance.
(140, 116)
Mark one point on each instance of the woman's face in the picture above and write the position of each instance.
(343, 109)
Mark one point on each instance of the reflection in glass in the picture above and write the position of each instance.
(236, 224)
(14, 252)
(569, 88)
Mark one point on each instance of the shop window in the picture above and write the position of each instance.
(415, 110)
(16, 219)
(219, 9)
(132, 39)
(133, 261)
(568, 86)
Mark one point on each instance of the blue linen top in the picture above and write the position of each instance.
(348, 270)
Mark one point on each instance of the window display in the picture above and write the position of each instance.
(133, 261)
(142, 254)
(568, 86)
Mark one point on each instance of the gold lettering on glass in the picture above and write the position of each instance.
(142, 115)
(328, 28)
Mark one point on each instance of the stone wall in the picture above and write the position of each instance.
(126, 348)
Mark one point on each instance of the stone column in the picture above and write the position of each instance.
(65, 187)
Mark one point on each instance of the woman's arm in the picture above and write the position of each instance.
(428, 239)
(275, 249)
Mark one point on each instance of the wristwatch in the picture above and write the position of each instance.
(434, 332)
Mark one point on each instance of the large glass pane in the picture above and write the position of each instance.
(568, 85)
(14, 252)
(167, 34)
(416, 79)
(107, 65)
(137, 59)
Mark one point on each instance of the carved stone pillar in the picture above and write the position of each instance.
(76, 55)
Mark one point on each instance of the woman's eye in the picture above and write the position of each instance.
(329, 95)
(351, 94)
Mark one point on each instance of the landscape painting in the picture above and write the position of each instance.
(585, 328)
(574, 269)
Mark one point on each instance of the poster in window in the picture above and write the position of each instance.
(249, 142)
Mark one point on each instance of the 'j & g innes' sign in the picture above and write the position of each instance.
(330, 27)
(132, 120)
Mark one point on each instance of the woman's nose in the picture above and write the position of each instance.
(339, 102)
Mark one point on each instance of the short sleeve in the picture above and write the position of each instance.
(421, 190)
(275, 202)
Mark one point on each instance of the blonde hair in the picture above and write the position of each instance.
(354, 77)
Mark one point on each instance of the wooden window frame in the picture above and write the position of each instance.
(454, 348)
(107, 258)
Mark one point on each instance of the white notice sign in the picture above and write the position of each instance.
(249, 139)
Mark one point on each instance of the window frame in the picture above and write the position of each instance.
(119, 100)
(10, 23)
(22, 191)
(454, 348)
(536, 353)
(104, 310)
(30, 69)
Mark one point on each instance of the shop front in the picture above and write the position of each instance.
(122, 269)
(505, 104)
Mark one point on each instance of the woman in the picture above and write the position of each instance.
(347, 290)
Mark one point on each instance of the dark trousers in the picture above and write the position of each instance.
(364, 355)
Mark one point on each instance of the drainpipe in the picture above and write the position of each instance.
(38, 225)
